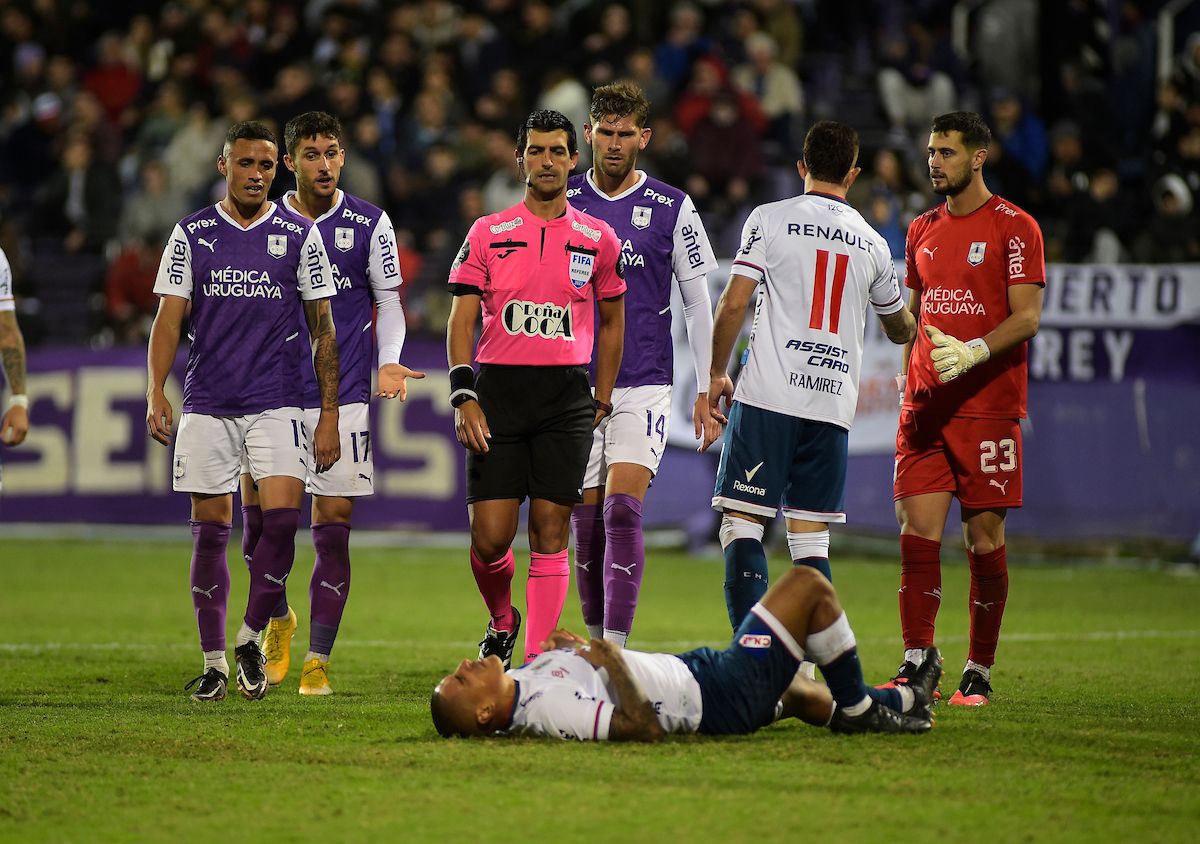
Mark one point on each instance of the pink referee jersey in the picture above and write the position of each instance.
(539, 281)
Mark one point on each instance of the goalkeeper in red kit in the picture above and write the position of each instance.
(976, 271)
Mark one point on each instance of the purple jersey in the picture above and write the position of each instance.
(244, 285)
(661, 235)
(362, 252)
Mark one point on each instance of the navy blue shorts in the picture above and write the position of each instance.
(772, 459)
(740, 685)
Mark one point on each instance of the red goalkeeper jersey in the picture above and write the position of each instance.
(963, 267)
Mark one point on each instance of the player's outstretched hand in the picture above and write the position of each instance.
(14, 425)
(718, 388)
(598, 652)
(327, 443)
(159, 417)
(471, 427)
(393, 380)
(952, 357)
(561, 638)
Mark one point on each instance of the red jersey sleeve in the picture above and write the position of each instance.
(610, 275)
(912, 276)
(470, 265)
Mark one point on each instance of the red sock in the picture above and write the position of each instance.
(920, 589)
(495, 585)
(989, 592)
(545, 593)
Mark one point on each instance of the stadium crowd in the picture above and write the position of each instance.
(112, 119)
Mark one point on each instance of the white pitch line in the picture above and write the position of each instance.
(667, 645)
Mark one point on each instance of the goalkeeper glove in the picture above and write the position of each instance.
(952, 357)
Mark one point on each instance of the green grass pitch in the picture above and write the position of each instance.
(1093, 733)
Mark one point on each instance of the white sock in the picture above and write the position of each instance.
(826, 645)
(986, 671)
(244, 635)
(595, 631)
(216, 659)
(907, 698)
(860, 707)
(616, 637)
(914, 655)
(808, 669)
(314, 655)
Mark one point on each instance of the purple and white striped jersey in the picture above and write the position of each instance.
(661, 235)
(244, 285)
(361, 244)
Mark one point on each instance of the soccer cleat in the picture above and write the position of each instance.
(924, 682)
(251, 679)
(212, 685)
(277, 647)
(500, 642)
(972, 691)
(905, 674)
(877, 719)
(314, 678)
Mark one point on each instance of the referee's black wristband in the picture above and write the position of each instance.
(462, 385)
(603, 405)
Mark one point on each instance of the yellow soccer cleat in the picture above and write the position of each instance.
(277, 646)
(314, 678)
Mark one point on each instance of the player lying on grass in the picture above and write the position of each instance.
(595, 691)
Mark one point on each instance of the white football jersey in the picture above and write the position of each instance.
(6, 284)
(561, 695)
(820, 264)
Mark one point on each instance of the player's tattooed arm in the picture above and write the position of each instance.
(326, 443)
(12, 352)
(633, 718)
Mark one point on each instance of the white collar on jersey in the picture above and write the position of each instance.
(260, 221)
(337, 203)
(641, 180)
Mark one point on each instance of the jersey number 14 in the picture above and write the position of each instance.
(841, 263)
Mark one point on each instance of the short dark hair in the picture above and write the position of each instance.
(621, 98)
(248, 130)
(830, 150)
(441, 718)
(975, 133)
(546, 120)
(311, 124)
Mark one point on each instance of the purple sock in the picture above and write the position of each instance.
(251, 532)
(210, 582)
(271, 564)
(587, 523)
(330, 584)
(624, 560)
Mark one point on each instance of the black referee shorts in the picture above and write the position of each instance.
(540, 418)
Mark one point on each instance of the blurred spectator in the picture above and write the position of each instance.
(538, 45)
(775, 86)
(191, 156)
(504, 188)
(563, 93)
(668, 158)
(911, 88)
(1019, 131)
(80, 205)
(684, 43)
(708, 81)
(781, 20)
(111, 80)
(883, 213)
(129, 299)
(295, 92)
(611, 41)
(887, 175)
(152, 207)
(1097, 221)
(481, 53)
(503, 106)
(641, 69)
(1173, 234)
(726, 156)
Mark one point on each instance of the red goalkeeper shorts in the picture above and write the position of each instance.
(978, 460)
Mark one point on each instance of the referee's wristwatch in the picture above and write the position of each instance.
(602, 406)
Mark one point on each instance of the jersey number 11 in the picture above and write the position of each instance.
(840, 265)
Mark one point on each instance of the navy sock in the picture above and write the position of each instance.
(821, 564)
(888, 697)
(845, 679)
(746, 577)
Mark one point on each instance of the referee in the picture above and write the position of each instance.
(537, 271)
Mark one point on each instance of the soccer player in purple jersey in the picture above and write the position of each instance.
(661, 236)
(366, 272)
(242, 264)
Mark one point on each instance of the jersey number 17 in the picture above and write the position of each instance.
(841, 263)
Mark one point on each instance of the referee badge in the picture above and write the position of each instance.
(581, 268)
(975, 256)
(641, 217)
(276, 245)
(343, 238)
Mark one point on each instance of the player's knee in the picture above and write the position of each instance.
(809, 584)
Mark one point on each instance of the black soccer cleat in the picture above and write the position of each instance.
(924, 682)
(212, 684)
(500, 642)
(251, 678)
(974, 690)
(878, 719)
(905, 674)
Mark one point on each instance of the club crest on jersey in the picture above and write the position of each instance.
(276, 245)
(343, 238)
(581, 269)
(975, 256)
(641, 217)
(180, 465)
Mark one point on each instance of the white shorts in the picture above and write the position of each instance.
(353, 474)
(210, 450)
(636, 432)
